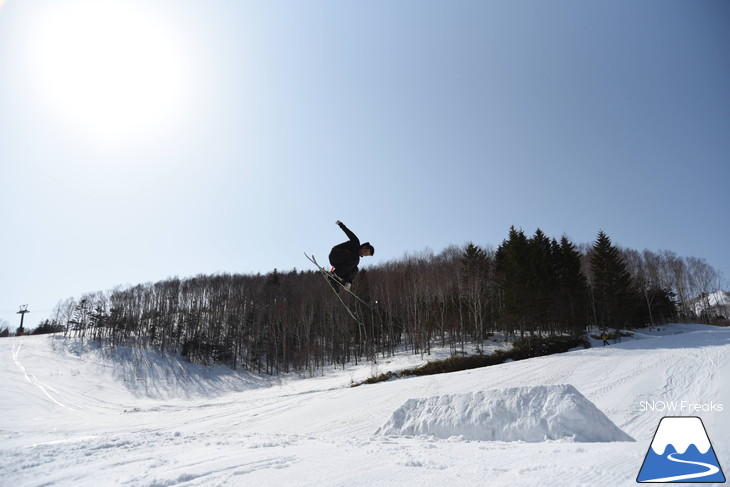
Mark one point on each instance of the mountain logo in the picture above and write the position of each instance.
(681, 452)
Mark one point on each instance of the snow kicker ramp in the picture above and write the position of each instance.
(531, 414)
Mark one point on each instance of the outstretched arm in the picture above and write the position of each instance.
(348, 232)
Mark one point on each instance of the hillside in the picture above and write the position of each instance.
(71, 414)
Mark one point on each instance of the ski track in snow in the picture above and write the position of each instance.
(72, 416)
(45, 388)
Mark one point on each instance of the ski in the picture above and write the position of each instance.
(330, 278)
(326, 276)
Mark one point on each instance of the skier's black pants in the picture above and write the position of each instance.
(344, 263)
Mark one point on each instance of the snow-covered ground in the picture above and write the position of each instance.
(72, 415)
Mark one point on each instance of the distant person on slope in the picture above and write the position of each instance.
(345, 257)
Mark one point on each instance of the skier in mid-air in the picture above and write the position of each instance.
(345, 257)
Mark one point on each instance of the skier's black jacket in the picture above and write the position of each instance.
(345, 257)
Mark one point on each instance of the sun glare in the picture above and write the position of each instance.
(112, 71)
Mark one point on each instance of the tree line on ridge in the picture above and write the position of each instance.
(291, 321)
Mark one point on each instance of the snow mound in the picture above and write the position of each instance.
(532, 414)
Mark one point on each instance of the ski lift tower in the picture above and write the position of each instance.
(23, 310)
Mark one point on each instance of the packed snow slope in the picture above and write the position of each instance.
(74, 415)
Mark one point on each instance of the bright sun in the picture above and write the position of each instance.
(112, 71)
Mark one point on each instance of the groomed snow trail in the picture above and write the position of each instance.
(71, 415)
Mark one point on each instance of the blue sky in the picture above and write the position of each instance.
(143, 140)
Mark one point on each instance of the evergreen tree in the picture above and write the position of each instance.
(540, 280)
(614, 299)
(572, 285)
(512, 276)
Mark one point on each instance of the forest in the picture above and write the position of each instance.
(292, 321)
